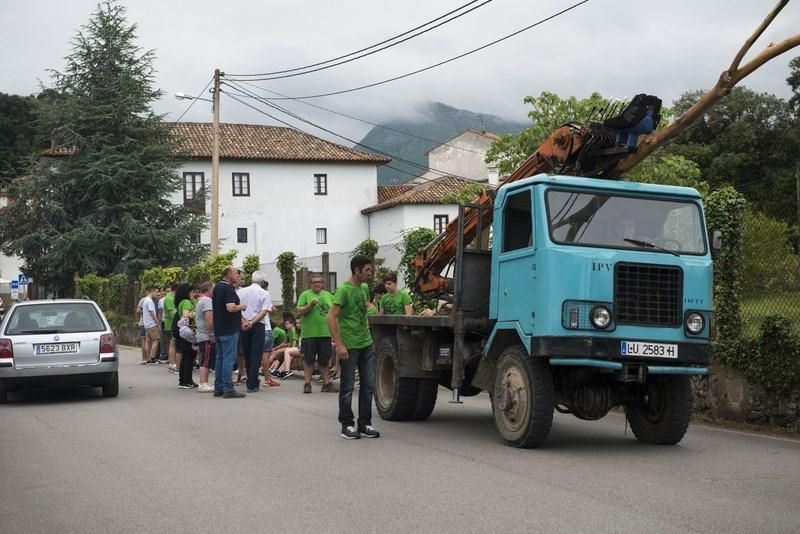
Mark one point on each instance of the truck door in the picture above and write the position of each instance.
(516, 261)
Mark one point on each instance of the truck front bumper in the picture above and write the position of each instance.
(608, 349)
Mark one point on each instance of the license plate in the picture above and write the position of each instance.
(56, 348)
(649, 350)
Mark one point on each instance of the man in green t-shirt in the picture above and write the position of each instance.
(347, 322)
(394, 302)
(168, 315)
(313, 306)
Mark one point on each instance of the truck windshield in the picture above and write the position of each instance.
(617, 221)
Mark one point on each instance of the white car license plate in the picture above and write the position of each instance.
(56, 348)
(649, 350)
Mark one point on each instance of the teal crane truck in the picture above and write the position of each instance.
(571, 291)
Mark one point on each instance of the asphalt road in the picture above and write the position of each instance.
(160, 459)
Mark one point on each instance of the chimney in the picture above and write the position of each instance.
(493, 176)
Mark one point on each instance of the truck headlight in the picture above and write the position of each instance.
(695, 323)
(600, 317)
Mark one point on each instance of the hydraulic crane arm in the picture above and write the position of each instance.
(575, 149)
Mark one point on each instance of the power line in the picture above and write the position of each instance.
(336, 63)
(273, 117)
(390, 39)
(389, 128)
(439, 64)
(315, 125)
(185, 111)
(299, 118)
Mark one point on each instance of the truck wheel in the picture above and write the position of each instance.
(660, 414)
(426, 399)
(111, 388)
(395, 397)
(522, 398)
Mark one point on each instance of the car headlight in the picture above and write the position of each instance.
(600, 317)
(695, 323)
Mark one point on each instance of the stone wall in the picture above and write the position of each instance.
(726, 393)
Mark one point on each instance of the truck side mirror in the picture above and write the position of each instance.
(716, 241)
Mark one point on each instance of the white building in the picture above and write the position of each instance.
(280, 190)
(461, 156)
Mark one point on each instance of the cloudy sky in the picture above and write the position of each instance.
(616, 47)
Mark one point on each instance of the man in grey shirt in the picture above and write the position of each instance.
(204, 317)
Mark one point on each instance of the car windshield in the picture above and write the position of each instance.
(54, 318)
(616, 221)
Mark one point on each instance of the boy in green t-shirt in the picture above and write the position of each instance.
(313, 305)
(394, 302)
(347, 322)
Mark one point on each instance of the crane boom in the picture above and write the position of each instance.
(591, 149)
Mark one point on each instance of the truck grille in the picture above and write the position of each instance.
(648, 294)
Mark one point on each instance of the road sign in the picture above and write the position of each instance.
(14, 292)
(23, 280)
(14, 284)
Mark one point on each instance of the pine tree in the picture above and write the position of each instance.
(104, 207)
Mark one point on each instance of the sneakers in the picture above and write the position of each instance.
(217, 393)
(307, 388)
(205, 388)
(252, 390)
(287, 374)
(270, 383)
(152, 361)
(368, 432)
(349, 432)
(185, 386)
(172, 368)
(233, 395)
(329, 388)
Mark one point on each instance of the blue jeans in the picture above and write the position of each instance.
(364, 361)
(226, 356)
(253, 346)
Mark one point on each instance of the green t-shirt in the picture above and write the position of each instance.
(314, 321)
(394, 304)
(372, 311)
(169, 311)
(278, 336)
(291, 337)
(352, 319)
(187, 305)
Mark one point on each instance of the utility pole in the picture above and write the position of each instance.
(797, 190)
(215, 170)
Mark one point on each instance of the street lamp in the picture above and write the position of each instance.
(214, 161)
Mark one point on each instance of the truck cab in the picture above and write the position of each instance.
(607, 287)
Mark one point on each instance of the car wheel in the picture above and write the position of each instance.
(111, 388)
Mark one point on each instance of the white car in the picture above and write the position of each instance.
(56, 343)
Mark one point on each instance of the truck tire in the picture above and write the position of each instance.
(111, 388)
(661, 412)
(522, 398)
(426, 399)
(395, 397)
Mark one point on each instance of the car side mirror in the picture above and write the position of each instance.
(716, 241)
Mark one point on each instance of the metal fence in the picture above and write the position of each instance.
(770, 287)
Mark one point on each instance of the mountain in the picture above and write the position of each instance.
(440, 123)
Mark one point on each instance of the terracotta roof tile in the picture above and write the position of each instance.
(388, 192)
(255, 142)
(432, 192)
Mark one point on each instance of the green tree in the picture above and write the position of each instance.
(17, 135)
(669, 169)
(549, 113)
(103, 209)
(287, 265)
(465, 194)
(769, 264)
(749, 141)
(794, 82)
(413, 240)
